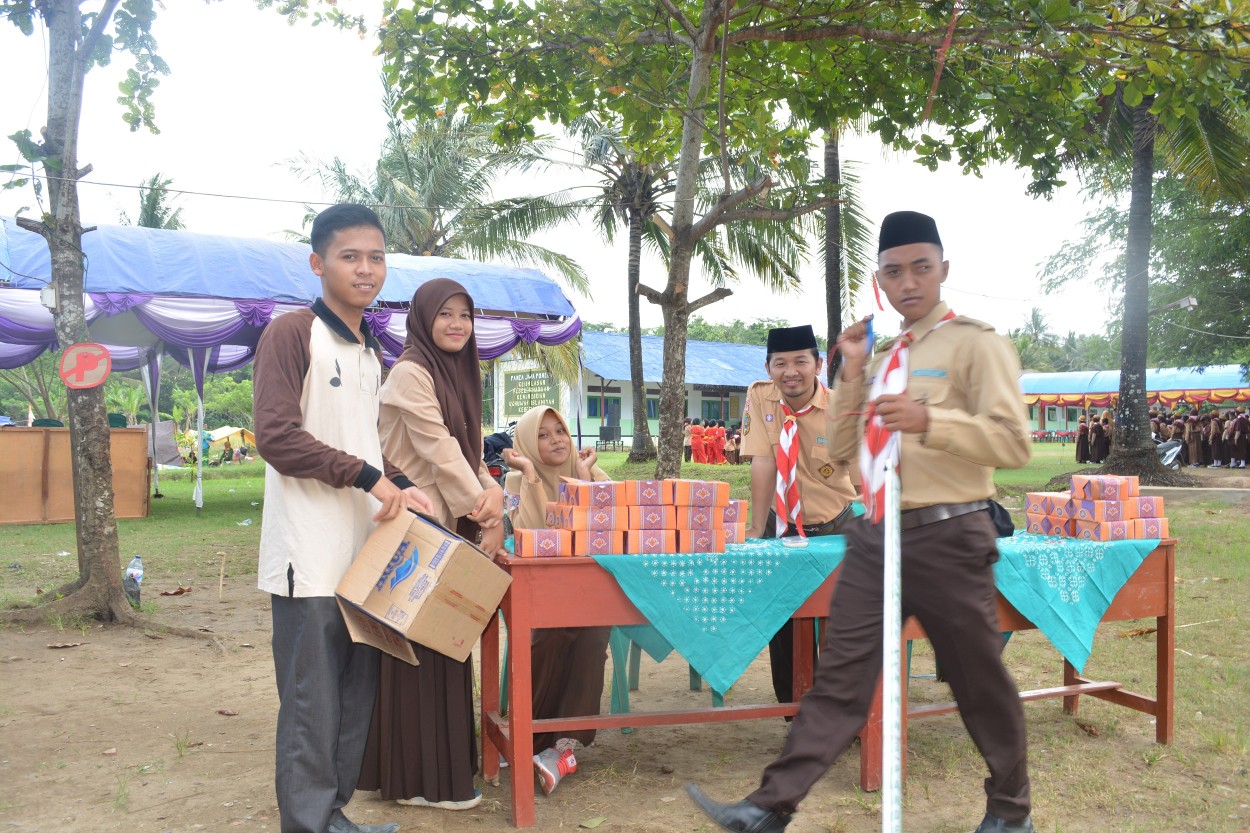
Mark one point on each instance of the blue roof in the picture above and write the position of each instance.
(707, 362)
(1215, 377)
(135, 260)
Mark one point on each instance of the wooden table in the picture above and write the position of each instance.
(589, 596)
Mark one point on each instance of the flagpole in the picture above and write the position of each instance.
(891, 673)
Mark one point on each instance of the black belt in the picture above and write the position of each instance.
(815, 530)
(926, 515)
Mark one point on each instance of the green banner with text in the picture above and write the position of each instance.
(525, 389)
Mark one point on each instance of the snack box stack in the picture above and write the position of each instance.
(1098, 508)
(636, 517)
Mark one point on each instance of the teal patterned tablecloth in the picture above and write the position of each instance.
(720, 610)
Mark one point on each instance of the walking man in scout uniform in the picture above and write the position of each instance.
(793, 475)
(960, 417)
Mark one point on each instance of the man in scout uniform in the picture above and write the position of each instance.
(793, 475)
(959, 418)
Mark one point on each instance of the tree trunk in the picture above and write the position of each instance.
(1133, 452)
(100, 591)
(674, 300)
(642, 448)
(833, 257)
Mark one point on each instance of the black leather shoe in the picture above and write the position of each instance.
(993, 824)
(743, 817)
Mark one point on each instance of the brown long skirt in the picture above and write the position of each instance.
(568, 666)
(421, 741)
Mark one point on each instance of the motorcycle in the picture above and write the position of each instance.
(1169, 452)
(492, 454)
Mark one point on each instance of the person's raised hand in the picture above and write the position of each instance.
(852, 344)
(586, 460)
(519, 462)
(488, 511)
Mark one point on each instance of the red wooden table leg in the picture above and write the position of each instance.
(1072, 703)
(490, 697)
(520, 703)
(1165, 658)
(870, 746)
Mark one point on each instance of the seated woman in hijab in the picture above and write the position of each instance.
(567, 663)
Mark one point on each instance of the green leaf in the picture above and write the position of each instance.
(591, 824)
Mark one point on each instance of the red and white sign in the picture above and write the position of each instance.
(85, 365)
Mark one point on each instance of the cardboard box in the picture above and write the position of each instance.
(1147, 507)
(648, 492)
(701, 540)
(1150, 528)
(574, 492)
(700, 517)
(650, 541)
(737, 512)
(1047, 503)
(564, 516)
(542, 543)
(1103, 530)
(599, 542)
(1103, 487)
(425, 583)
(700, 493)
(1102, 510)
(1042, 524)
(735, 533)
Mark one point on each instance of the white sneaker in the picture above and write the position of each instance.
(467, 804)
(552, 765)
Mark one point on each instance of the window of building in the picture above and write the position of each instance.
(612, 404)
(712, 409)
(653, 408)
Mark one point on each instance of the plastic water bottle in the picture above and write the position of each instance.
(134, 578)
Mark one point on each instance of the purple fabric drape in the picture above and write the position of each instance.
(115, 303)
(255, 313)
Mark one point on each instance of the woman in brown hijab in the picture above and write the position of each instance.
(567, 663)
(421, 748)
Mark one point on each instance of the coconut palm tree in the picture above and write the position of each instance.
(156, 205)
(432, 188)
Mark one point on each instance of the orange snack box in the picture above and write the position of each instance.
(701, 540)
(574, 492)
(1102, 510)
(737, 512)
(599, 542)
(542, 543)
(700, 492)
(1104, 530)
(735, 533)
(1147, 507)
(1150, 528)
(650, 541)
(1047, 503)
(1042, 524)
(652, 517)
(1103, 487)
(564, 516)
(648, 492)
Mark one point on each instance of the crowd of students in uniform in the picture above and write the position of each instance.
(347, 450)
(1214, 439)
(711, 442)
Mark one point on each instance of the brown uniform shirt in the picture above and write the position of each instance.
(415, 438)
(825, 485)
(969, 376)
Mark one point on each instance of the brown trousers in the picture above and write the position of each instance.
(948, 584)
(568, 666)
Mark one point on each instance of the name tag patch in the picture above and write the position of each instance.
(935, 372)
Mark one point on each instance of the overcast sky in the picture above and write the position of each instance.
(248, 92)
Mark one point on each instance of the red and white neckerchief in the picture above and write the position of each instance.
(881, 445)
(789, 506)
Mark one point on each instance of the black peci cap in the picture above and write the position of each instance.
(903, 228)
(787, 339)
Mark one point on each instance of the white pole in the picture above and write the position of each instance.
(198, 495)
(891, 640)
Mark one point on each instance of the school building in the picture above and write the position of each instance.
(717, 378)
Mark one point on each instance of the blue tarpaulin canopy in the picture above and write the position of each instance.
(1169, 385)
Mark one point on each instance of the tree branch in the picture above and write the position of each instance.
(37, 227)
(682, 21)
(729, 203)
(102, 18)
(777, 214)
(710, 298)
(652, 295)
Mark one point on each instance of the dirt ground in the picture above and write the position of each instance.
(130, 732)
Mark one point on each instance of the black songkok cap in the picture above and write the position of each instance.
(905, 227)
(787, 339)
